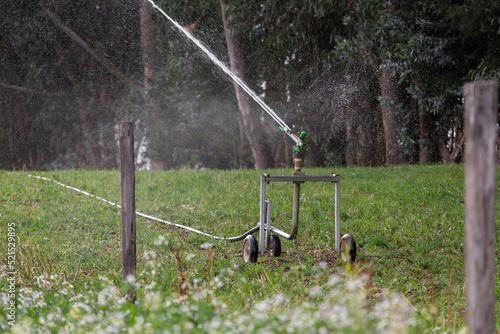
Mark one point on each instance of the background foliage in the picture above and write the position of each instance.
(317, 63)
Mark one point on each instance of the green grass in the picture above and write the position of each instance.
(407, 221)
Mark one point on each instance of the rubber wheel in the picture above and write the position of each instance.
(348, 248)
(250, 249)
(275, 246)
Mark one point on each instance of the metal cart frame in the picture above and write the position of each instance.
(265, 227)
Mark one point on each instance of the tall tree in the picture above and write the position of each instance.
(150, 61)
(250, 124)
(368, 39)
(392, 101)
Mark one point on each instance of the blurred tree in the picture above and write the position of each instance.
(429, 48)
(251, 126)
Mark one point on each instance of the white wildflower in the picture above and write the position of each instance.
(206, 245)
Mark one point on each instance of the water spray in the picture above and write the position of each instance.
(282, 125)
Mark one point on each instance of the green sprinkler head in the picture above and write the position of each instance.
(300, 147)
(303, 144)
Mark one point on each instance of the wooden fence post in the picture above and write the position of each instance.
(127, 185)
(481, 111)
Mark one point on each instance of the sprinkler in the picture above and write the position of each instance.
(269, 236)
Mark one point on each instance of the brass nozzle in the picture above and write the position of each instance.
(298, 164)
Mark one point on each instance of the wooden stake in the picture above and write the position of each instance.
(127, 184)
(481, 110)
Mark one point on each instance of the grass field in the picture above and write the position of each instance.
(408, 277)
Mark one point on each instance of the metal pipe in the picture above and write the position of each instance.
(281, 233)
(268, 224)
(295, 210)
(303, 178)
(296, 194)
(243, 236)
(262, 246)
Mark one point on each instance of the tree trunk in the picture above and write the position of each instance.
(245, 160)
(283, 153)
(350, 153)
(90, 150)
(444, 152)
(6, 133)
(392, 98)
(148, 55)
(21, 121)
(367, 155)
(428, 145)
(150, 64)
(368, 129)
(250, 121)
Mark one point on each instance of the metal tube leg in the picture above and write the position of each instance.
(295, 210)
(268, 224)
(337, 216)
(262, 245)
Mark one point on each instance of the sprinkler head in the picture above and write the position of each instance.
(302, 144)
(300, 147)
